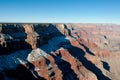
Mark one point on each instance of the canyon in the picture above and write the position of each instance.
(57, 51)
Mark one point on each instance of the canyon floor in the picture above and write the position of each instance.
(44, 51)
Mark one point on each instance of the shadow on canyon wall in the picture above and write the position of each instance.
(14, 41)
(106, 65)
(17, 43)
(64, 66)
(79, 53)
(23, 73)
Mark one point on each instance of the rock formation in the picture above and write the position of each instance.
(59, 51)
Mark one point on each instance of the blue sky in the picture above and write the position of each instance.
(60, 11)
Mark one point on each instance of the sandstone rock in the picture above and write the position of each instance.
(59, 51)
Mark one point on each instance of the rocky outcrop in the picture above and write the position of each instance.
(22, 36)
(58, 51)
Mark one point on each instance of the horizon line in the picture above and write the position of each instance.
(56, 23)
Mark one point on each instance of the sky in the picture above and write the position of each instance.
(60, 11)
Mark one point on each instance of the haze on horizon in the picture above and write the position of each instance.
(60, 11)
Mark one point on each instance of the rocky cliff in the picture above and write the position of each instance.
(59, 51)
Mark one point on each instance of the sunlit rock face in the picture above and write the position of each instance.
(59, 51)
